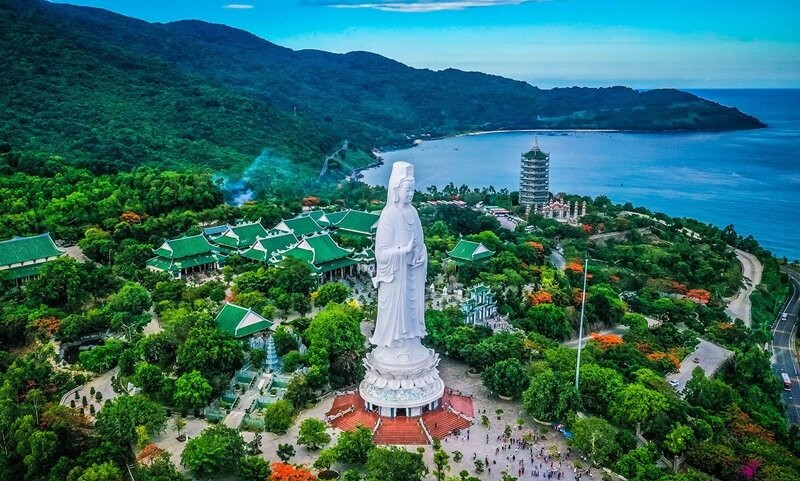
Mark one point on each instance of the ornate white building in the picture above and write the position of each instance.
(562, 211)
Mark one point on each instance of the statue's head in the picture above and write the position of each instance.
(401, 184)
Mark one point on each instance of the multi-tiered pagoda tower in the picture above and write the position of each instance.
(534, 177)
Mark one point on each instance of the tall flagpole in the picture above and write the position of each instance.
(580, 329)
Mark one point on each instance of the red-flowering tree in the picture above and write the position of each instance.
(288, 472)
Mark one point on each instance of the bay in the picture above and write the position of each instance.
(750, 179)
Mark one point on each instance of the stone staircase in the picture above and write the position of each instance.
(440, 423)
(401, 430)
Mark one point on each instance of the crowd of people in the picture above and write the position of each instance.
(526, 456)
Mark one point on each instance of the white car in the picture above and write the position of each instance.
(673, 382)
(784, 316)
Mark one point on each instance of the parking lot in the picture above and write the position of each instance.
(709, 357)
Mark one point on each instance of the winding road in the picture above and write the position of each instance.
(557, 258)
(784, 357)
(739, 306)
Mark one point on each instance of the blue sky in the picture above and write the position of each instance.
(643, 44)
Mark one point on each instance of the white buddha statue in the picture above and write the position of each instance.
(402, 261)
(401, 377)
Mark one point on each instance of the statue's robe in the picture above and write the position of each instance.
(401, 285)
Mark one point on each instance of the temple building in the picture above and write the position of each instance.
(334, 217)
(265, 248)
(241, 322)
(241, 236)
(300, 226)
(534, 177)
(358, 223)
(319, 216)
(22, 257)
(469, 252)
(366, 261)
(214, 231)
(324, 256)
(186, 255)
(562, 211)
(479, 306)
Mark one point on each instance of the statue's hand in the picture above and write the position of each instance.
(408, 247)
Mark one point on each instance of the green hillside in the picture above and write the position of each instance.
(111, 92)
(67, 92)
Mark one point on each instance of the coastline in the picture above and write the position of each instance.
(680, 175)
(484, 132)
(393, 148)
(356, 173)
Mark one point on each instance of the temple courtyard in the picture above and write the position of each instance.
(455, 376)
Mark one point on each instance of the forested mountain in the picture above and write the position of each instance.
(113, 92)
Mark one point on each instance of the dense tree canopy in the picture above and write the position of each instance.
(337, 330)
(597, 438)
(313, 433)
(548, 398)
(214, 452)
(118, 419)
(507, 378)
(549, 320)
(353, 447)
(192, 391)
(212, 353)
(394, 464)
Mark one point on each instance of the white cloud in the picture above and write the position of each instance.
(416, 6)
(238, 6)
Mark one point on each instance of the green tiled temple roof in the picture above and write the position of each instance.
(239, 321)
(162, 264)
(343, 262)
(301, 226)
(173, 265)
(326, 249)
(358, 222)
(242, 235)
(20, 272)
(25, 249)
(199, 260)
(335, 217)
(184, 247)
(469, 251)
(265, 247)
(322, 253)
(320, 216)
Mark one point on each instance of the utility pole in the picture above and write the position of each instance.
(580, 328)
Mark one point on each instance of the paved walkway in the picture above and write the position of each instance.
(739, 306)
(102, 384)
(154, 326)
(76, 253)
(456, 377)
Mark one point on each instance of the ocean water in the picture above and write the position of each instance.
(750, 179)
